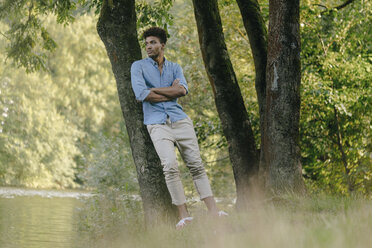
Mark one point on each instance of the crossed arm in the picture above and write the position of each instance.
(166, 93)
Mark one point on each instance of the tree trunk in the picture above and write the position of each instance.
(229, 102)
(342, 151)
(117, 28)
(257, 34)
(281, 141)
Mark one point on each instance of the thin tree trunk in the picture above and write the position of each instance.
(257, 34)
(229, 102)
(281, 141)
(117, 28)
(341, 148)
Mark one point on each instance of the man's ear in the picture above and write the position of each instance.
(162, 46)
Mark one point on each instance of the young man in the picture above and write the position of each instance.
(157, 83)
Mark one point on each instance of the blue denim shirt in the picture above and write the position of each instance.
(145, 75)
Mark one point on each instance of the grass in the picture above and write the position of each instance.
(312, 221)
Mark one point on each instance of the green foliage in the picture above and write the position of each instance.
(37, 143)
(110, 165)
(90, 101)
(29, 42)
(92, 4)
(336, 97)
(155, 13)
(56, 126)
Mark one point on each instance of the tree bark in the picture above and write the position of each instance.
(229, 102)
(281, 141)
(117, 28)
(257, 34)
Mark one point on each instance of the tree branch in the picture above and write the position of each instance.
(341, 6)
(214, 161)
(242, 34)
(321, 5)
(344, 4)
(4, 35)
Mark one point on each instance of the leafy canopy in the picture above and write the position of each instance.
(29, 41)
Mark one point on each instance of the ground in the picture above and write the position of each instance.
(290, 221)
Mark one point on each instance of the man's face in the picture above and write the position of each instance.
(153, 47)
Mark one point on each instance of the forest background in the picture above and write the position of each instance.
(63, 128)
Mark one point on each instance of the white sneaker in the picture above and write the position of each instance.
(222, 213)
(183, 222)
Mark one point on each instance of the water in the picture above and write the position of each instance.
(40, 218)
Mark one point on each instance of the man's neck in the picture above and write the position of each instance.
(159, 60)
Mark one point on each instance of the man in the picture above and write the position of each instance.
(157, 83)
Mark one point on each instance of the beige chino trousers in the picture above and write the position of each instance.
(181, 134)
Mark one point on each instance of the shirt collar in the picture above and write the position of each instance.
(153, 62)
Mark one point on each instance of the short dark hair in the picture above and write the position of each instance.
(157, 32)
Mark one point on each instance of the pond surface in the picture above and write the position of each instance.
(40, 218)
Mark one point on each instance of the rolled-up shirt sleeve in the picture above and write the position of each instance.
(138, 82)
(179, 74)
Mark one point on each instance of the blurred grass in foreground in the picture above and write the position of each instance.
(311, 221)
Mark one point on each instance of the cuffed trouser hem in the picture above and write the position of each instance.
(203, 187)
(203, 197)
(177, 193)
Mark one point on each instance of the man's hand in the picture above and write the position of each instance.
(175, 82)
(178, 87)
